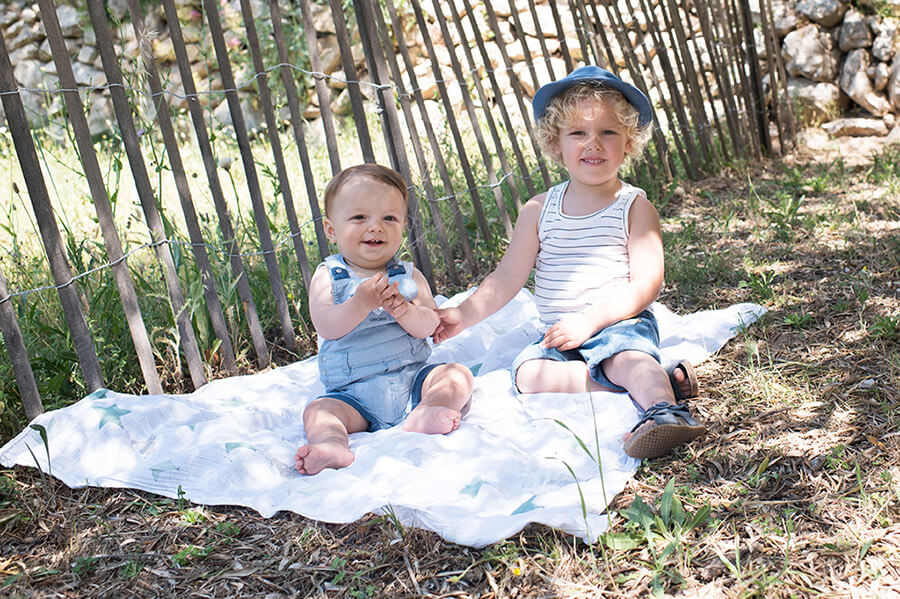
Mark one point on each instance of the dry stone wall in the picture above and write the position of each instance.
(843, 60)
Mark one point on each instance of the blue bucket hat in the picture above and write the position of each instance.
(591, 73)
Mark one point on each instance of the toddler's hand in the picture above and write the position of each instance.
(569, 333)
(371, 291)
(450, 325)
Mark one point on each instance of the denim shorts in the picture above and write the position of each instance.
(639, 334)
(386, 399)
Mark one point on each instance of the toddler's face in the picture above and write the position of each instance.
(366, 223)
(593, 144)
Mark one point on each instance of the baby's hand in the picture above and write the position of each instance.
(393, 301)
(372, 290)
(450, 325)
(569, 333)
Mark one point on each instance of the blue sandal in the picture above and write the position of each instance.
(662, 428)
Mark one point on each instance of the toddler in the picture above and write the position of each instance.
(596, 245)
(373, 314)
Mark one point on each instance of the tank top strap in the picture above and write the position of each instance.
(552, 205)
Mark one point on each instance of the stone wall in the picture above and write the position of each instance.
(842, 60)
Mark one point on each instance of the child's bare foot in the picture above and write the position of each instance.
(315, 457)
(432, 420)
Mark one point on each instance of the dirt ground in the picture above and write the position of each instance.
(794, 491)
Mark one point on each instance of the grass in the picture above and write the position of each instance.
(794, 492)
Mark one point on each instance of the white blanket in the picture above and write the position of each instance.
(513, 461)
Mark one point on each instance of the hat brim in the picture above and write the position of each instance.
(634, 96)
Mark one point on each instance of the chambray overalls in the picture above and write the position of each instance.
(374, 367)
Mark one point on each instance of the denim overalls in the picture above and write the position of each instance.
(374, 367)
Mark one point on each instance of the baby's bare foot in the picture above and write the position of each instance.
(432, 420)
(315, 457)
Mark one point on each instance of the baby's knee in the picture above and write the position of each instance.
(460, 377)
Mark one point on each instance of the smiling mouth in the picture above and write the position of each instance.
(593, 161)
(374, 242)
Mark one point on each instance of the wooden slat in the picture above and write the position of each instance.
(198, 247)
(511, 132)
(394, 134)
(46, 222)
(542, 40)
(434, 144)
(486, 157)
(415, 140)
(284, 182)
(561, 36)
(327, 118)
(9, 326)
(290, 88)
(215, 186)
(94, 178)
(486, 106)
(462, 156)
(524, 110)
(145, 193)
(259, 210)
(352, 77)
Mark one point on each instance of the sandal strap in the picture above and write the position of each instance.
(666, 413)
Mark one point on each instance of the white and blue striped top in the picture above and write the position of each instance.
(581, 257)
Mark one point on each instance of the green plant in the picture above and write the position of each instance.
(663, 531)
(798, 320)
(190, 554)
(131, 569)
(84, 566)
(886, 327)
(760, 283)
(194, 516)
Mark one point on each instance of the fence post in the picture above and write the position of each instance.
(15, 348)
(145, 190)
(262, 84)
(46, 221)
(184, 193)
(290, 88)
(259, 210)
(215, 186)
(468, 255)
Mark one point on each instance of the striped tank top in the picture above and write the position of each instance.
(581, 257)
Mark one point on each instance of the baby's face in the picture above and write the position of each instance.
(366, 223)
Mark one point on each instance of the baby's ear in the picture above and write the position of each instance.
(328, 227)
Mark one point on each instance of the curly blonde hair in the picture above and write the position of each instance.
(564, 107)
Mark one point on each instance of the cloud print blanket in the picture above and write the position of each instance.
(513, 461)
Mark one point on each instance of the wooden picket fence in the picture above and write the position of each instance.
(710, 116)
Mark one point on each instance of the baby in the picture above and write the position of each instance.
(373, 314)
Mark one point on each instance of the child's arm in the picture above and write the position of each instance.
(419, 317)
(334, 321)
(505, 282)
(645, 260)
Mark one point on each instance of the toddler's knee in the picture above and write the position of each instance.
(528, 377)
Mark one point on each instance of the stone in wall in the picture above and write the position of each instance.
(826, 13)
(854, 32)
(856, 84)
(815, 102)
(893, 86)
(810, 52)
